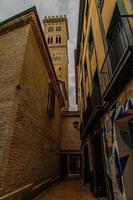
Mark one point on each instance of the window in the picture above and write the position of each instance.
(58, 28)
(131, 2)
(58, 39)
(99, 4)
(59, 68)
(87, 8)
(82, 87)
(83, 39)
(85, 69)
(86, 12)
(82, 93)
(91, 42)
(116, 39)
(50, 29)
(50, 40)
(51, 101)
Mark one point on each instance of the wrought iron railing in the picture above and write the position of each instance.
(122, 38)
(92, 102)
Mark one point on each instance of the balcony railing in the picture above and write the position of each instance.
(122, 38)
(92, 103)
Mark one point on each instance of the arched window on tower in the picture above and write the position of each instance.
(48, 40)
(57, 40)
(60, 39)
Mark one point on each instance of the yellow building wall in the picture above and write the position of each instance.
(107, 13)
(98, 54)
(98, 41)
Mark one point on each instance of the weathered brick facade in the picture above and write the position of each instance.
(70, 140)
(29, 138)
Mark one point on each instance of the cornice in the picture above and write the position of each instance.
(70, 114)
(53, 19)
(30, 16)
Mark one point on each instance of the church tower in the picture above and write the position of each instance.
(56, 34)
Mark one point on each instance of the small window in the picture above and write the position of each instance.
(91, 42)
(50, 40)
(87, 7)
(99, 4)
(83, 39)
(58, 28)
(50, 29)
(60, 69)
(131, 2)
(85, 69)
(82, 87)
(59, 39)
(51, 101)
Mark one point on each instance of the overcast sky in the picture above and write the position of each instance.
(70, 8)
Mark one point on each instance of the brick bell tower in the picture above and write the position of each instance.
(56, 34)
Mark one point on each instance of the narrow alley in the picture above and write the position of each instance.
(66, 101)
(70, 188)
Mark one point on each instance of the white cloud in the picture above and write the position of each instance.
(70, 8)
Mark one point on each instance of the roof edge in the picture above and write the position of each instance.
(30, 16)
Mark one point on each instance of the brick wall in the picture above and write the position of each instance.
(33, 138)
(70, 136)
(10, 70)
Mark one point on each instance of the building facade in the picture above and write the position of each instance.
(30, 109)
(57, 35)
(37, 137)
(70, 143)
(105, 62)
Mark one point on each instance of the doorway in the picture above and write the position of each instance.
(99, 186)
(70, 164)
(74, 164)
(63, 165)
(86, 165)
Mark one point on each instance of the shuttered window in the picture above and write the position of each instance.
(51, 101)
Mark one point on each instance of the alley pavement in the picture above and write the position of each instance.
(68, 189)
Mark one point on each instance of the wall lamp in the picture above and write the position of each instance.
(76, 125)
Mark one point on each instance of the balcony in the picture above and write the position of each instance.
(117, 67)
(94, 107)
